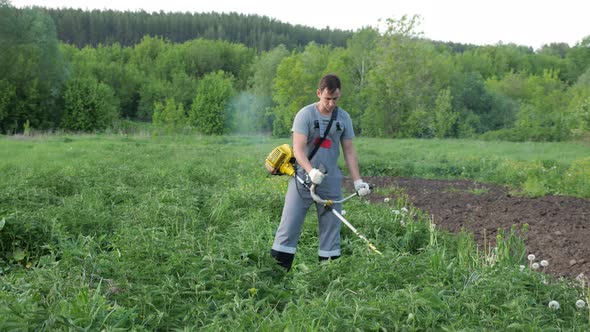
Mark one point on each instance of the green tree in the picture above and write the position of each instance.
(584, 79)
(7, 96)
(255, 105)
(401, 80)
(476, 61)
(200, 56)
(502, 113)
(88, 105)
(420, 124)
(580, 109)
(183, 87)
(579, 105)
(264, 69)
(296, 83)
(211, 112)
(109, 65)
(475, 99)
(361, 48)
(83, 27)
(146, 55)
(546, 95)
(32, 66)
(358, 62)
(444, 117)
(542, 112)
(151, 91)
(558, 50)
(172, 70)
(170, 116)
(112, 68)
(578, 58)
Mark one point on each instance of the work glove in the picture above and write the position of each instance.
(362, 188)
(316, 176)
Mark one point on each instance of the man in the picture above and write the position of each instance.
(309, 127)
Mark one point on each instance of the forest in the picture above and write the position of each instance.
(81, 28)
(91, 71)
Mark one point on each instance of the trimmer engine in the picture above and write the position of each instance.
(281, 160)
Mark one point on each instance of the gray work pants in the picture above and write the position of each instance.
(297, 202)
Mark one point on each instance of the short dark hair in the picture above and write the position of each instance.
(330, 82)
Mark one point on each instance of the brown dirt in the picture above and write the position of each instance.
(558, 226)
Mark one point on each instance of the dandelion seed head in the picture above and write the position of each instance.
(343, 212)
(580, 304)
(554, 305)
(535, 266)
(521, 268)
(386, 199)
(396, 212)
(531, 257)
(404, 210)
(544, 263)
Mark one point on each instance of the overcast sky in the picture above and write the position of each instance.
(523, 22)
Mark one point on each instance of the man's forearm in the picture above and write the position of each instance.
(353, 166)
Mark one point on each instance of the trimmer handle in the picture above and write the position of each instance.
(318, 199)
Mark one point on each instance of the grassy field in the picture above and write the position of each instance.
(142, 233)
(530, 168)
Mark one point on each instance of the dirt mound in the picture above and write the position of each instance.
(558, 228)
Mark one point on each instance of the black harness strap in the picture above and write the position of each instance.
(317, 146)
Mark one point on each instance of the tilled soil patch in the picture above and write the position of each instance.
(558, 229)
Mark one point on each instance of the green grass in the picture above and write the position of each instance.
(532, 169)
(173, 233)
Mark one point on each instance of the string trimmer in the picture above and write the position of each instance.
(281, 160)
(328, 206)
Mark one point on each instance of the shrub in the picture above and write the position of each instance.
(577, 178)
(88, 105)
(210, 112)
(170, 116)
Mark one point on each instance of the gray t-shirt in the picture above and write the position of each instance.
(311, 123)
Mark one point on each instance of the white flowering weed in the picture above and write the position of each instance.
(554, 305)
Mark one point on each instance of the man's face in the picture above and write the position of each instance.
(328, 100)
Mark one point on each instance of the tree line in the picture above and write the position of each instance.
(81, 28)
(396, 83)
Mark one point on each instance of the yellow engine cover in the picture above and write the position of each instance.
(281, 160)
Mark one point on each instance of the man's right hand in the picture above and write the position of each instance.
(362, 188)
(316, 176)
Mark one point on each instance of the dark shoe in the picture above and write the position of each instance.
(283, 259)
(328, 258)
